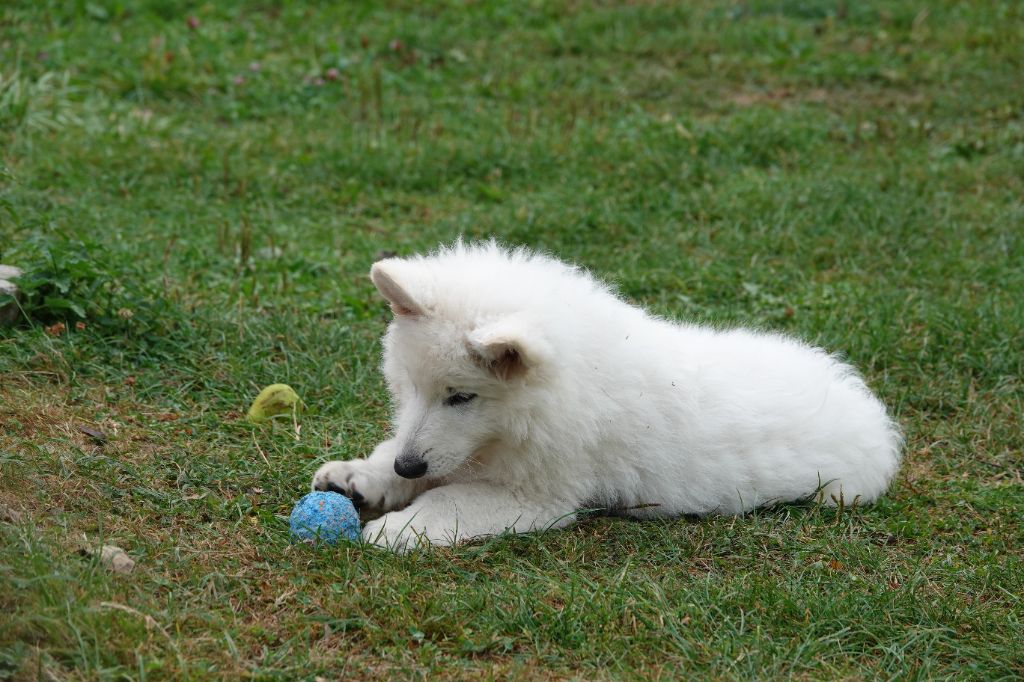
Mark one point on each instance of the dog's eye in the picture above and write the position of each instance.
(458, 399)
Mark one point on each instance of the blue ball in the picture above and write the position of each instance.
(324, 516)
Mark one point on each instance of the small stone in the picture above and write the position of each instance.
(116, 559)
(98, 436)
(8, 515)
(270, 253)
(9, 313)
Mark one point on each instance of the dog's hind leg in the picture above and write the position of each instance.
(463, 511)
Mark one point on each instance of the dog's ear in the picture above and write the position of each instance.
(392, 279)
(508, 348)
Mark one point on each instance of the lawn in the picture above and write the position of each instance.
(197, 191)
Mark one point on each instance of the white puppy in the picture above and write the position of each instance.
(524, 391)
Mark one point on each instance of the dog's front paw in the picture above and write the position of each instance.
(387, 535)
(397, 532)
(357, 480)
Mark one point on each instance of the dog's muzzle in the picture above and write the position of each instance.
(410, 466)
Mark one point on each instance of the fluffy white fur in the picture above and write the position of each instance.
(584, 401)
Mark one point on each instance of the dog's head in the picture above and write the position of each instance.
(460, 361)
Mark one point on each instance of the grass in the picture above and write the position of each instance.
(209, 183)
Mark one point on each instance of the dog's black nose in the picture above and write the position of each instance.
(410, 467)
